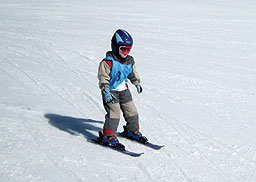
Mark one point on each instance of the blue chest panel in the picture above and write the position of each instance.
(119, 72)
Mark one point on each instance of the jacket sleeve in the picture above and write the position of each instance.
(103, 74)
(134, 76)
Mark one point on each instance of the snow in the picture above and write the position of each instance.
(197, 64)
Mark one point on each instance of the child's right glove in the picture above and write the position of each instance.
(108, 97)
(139, 88)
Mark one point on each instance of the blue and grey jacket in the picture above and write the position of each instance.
(113, 72)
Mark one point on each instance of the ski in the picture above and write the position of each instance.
(143, 140)
(153, 146)
(148, 144)
(98, 141)
(120, 149)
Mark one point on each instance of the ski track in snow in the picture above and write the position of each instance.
(181, 135)
(200, 135)
(196, 62)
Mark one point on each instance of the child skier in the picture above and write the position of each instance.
(113, 72)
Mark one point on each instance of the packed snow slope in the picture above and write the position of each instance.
(197, 64)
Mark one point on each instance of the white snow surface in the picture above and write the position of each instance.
(196, 60)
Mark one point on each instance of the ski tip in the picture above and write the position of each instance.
(136, 154)
(161, 146)
(154, 146)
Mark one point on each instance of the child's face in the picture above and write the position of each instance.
(124, 51)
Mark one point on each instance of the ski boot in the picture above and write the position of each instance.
(134, 135)
(111, 141)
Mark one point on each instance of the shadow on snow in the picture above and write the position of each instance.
(74, 126)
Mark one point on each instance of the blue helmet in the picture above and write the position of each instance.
(120, 38)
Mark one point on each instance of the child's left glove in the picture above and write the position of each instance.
(139, 88)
